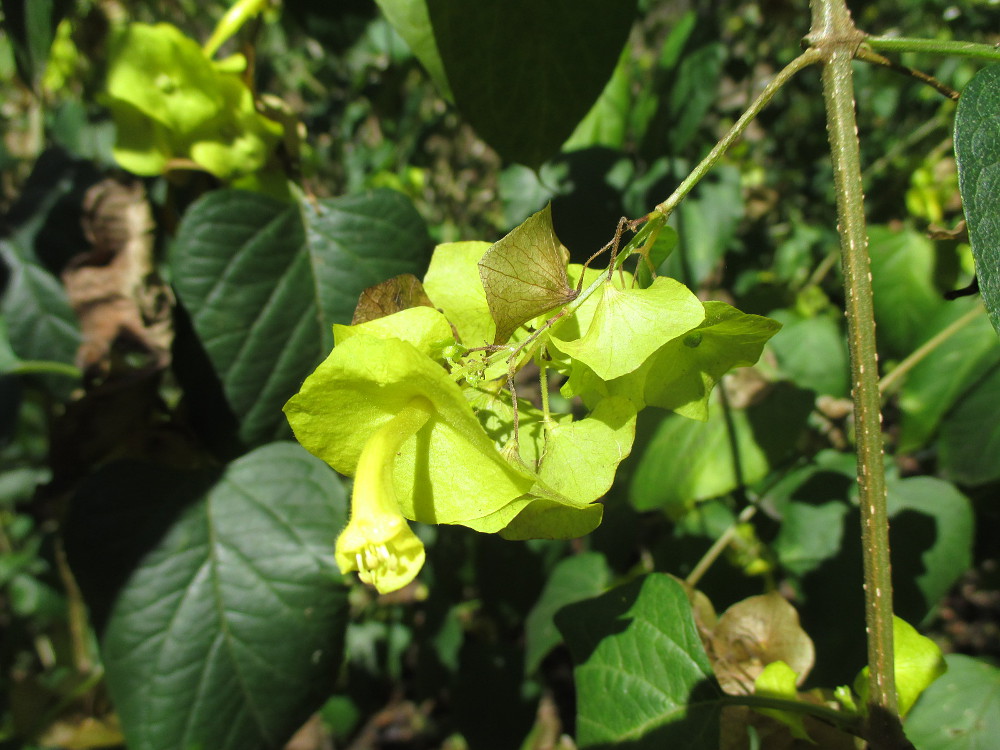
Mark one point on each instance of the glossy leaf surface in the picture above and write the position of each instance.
(220, 607)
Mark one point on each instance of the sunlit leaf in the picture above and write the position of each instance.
(642, 677)
(629, 325)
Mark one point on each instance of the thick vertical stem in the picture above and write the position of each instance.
(833, 32)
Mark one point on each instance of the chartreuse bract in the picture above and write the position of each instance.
(416, 404)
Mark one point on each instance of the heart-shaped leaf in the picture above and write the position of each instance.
(642, 677)
(216, 596)
(264, 282)
(525, 73)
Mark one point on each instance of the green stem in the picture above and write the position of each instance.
(833, 33)
(844, 721)
(804, 60)
(44, 367)
(933, 47)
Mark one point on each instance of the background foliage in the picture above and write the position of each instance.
(151, 476)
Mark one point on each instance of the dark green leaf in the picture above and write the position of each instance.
(40, 322)
(575, 578)
(969, 441)
(977, 151)
(812, 352)
(706, 223)
(932, 535)
(688, 461)
(525, 73)
(938, 381)
(264, 281)
(642, 675)
(31, 25)
(960, 710)
(902, 282)
(221, 608)
(410, 18)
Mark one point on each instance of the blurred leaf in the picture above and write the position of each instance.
(40, 322)
(706, 223)
(573, 579)
(812, 353)
(642, 677)
(31, 25)
(524, 274)
(412, 20)
(969, 441)
(606, 124)
(902, 282)
(932, 539)
(777, 680)
(218, 602)
(960, 710)
(809, 534)
(953, 369)
(977, 150)
(687, 461)
(265, 281)
(525, 73)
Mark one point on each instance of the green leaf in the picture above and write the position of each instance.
(411, 19)
(960, 710)
(969, 441)
(264, 281)
(905, 298)
(706, 222)
(932, 538)
(917, 662)
(582, 456)
(524, 73)
(642, 675)
(977, 151)
(524, 274)
(573, 579)
(777, 680)
(606, 124)
(41, 324)
(31, 26)
(629, 325)
(688, 461)
(220, 607)
(952, 370)
(812, 353)
(682, 374)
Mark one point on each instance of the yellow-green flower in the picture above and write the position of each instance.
(378, 541)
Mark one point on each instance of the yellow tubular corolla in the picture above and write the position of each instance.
(377, 541)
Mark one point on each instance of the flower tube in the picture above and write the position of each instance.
(378, 542)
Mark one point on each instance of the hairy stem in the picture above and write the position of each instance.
(833, 33)
(804, 60)
(934, 47)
